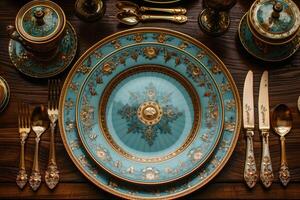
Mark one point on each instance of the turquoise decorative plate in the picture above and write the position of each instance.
(29, 65)
(271, 53)
(139, 111)
(114, 44)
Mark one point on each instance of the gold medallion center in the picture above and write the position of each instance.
(149, 113)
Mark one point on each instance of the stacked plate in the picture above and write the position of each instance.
(149, 114)
(4, 94)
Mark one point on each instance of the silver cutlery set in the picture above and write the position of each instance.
(38, 121)
(281, 123)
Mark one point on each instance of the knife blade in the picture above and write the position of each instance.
(248, 105)
(250, 171)
(263, 103)
(266, 170)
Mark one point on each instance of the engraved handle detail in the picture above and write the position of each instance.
(177, 11)
(22, 175)
(250, 171)
(35, 177)
(174, 18)
(266, 171)
(52, 173)
(284, 174)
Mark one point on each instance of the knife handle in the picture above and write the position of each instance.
(266, 171)
(250, 170)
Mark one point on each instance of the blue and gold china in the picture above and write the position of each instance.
(4, 94)
(149, 36)
(265, 51)
(39, 26)
(270, 30)
(31, 65)
(149, 119)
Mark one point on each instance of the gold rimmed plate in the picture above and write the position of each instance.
(142, 122)
(114, 44)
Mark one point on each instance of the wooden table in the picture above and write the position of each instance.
(284, 88)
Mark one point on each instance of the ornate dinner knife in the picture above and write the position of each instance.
(250, 171)
(266, 171)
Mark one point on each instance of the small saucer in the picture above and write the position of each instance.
(270, 53)
(29, 65)
(4, 94)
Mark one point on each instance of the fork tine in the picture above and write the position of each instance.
(28, 116)
(57, 93)
(22, 115)
(19, 114)
(49, 93)
(54, 94)
(25, 115)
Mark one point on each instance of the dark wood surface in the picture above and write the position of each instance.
(229, 184)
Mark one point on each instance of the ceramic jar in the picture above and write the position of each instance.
(39, 26)
(270, 30)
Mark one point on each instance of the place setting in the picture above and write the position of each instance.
(150, 112)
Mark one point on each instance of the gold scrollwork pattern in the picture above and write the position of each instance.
(250, 171)
(284, 174)
(266, 171)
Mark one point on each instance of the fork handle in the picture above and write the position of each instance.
(22, 175)
(52, 156)
(52, 173)
(35, 177)
(266, 170)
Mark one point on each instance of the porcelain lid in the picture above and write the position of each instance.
(40, 21)
(275, 19)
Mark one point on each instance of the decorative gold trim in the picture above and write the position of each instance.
(41, 40)
(145, 68)
(179, 35)
(150, 113)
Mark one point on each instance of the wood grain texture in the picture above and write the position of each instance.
(229, 184)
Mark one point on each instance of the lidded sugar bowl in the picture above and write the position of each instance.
(39, 26)
(270, 30)
(43, 43)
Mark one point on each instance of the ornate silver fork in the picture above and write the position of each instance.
(52, 173)
(24, 130)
